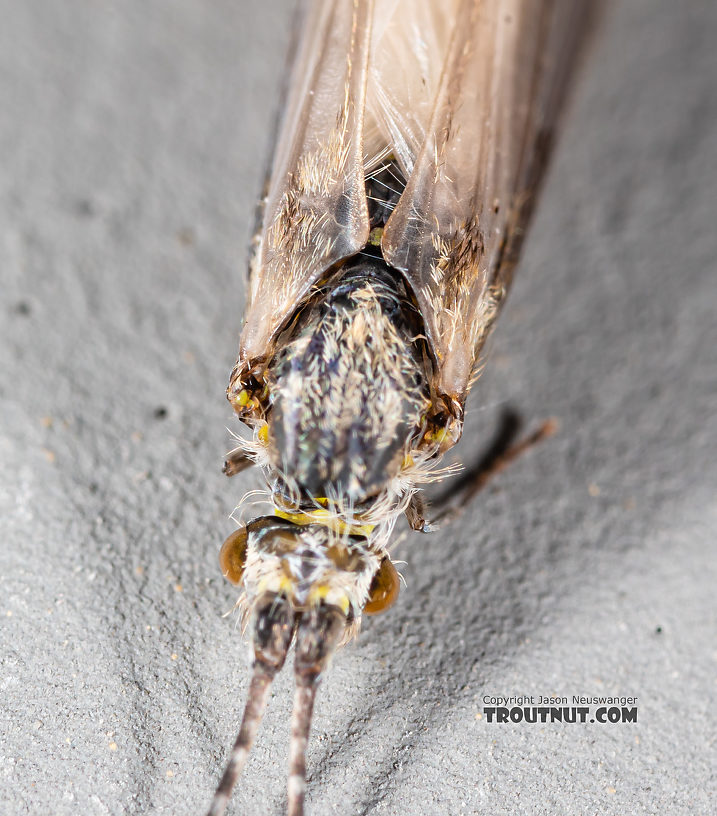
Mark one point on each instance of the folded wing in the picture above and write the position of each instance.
(315, 213)
(457, 227)
(463, 96)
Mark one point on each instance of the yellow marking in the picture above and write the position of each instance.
(264, 434)
(407, 461)
(375, 236)
(321, 593)
(436, 436)
(243, 398)
(328, 519)
(286, 585)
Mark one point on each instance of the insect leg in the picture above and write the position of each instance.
(235, 462)
(416, 514)
(452, 504)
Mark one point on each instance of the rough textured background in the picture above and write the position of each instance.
(133, 136)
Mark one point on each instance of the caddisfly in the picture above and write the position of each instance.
(415, 136)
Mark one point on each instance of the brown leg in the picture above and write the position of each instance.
(235, 462)
(416, 514)
(503, 451)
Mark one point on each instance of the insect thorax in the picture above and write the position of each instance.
(348, 389)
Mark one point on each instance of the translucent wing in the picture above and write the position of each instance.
(456, 230)
(409, 43)
(315, 213)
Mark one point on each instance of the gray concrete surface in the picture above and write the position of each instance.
(133, 136)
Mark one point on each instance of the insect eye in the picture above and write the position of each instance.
(232, 556)
(384, 588)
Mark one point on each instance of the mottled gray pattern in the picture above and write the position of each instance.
(132, 137)
(349, 389)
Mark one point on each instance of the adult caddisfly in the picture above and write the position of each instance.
(415, 136)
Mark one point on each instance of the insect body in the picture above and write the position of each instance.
(414, 139)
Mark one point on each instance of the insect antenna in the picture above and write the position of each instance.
(275, 624)
(253, 713)
(300, 726)
(319, 633)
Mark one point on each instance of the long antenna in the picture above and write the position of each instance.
(273, 631)
(320, 630)
(253, 712)
(304, 697)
